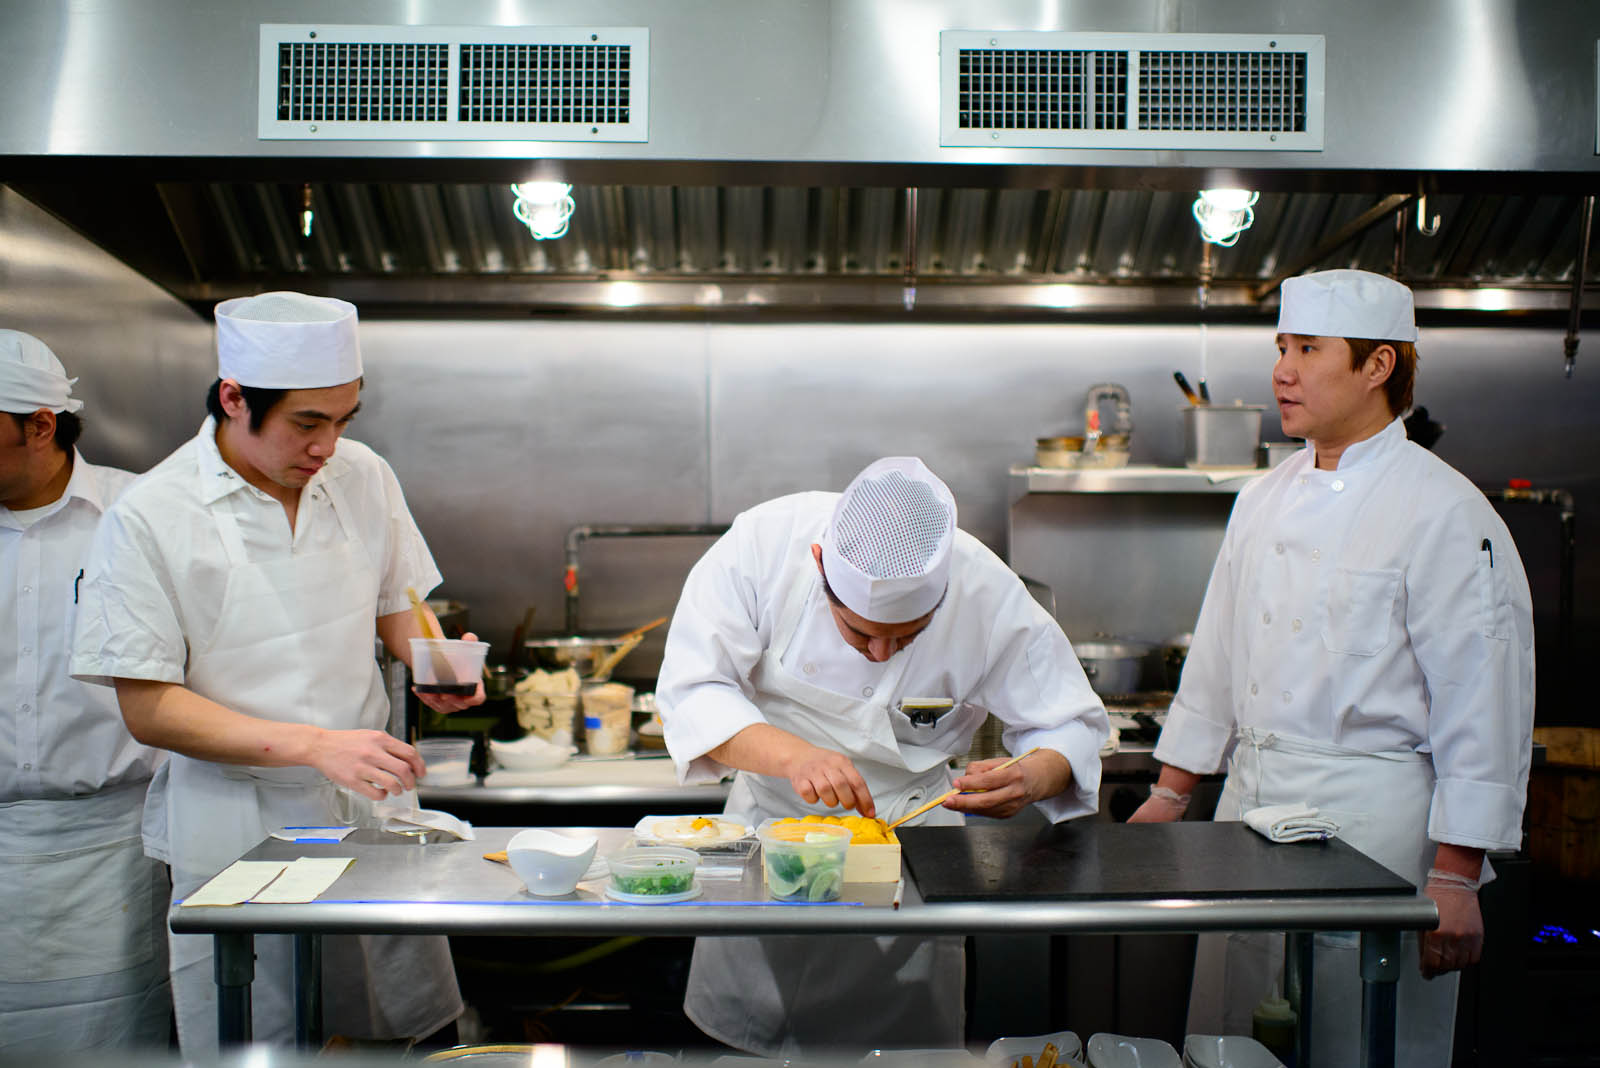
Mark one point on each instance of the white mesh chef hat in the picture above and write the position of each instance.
(886, 552)
(288, 341)
(32, 378)
(1347, 303)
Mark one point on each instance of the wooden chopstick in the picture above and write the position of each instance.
(424, 621)
(942, 798)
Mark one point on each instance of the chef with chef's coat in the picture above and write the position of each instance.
(83, 949)
(1366, 647)
(233, 597)
(797, 638)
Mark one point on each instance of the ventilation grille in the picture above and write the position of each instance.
(1254, 91)
(1020, 89)
(322, 82)
(329, 83)
(545, 83)
(1173, 91)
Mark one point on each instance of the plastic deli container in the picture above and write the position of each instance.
(447, 665)
(804, 861)
(650, 875)
(447, 760)
(607, 718)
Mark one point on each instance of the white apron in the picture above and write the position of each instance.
(293, 643)
(1380, 801)
(780, 996)
(83, 955)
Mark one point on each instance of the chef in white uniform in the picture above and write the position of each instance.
(83, 949)
(796, 639)
(1365, 646)
(232, 597)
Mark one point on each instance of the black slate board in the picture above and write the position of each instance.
(1085, 859)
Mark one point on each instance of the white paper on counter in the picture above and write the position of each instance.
(237, 883)
(303, 880)
(402, 813)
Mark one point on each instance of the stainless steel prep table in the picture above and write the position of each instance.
(398, 886)
(585, 791)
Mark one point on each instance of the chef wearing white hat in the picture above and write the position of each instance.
(233, 598)
(797, 637)
(83, 951)
(1366, 647)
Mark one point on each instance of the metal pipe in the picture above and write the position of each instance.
(308, 992)
(234, 968)
(909, 296)
(579, 534)
(1380, 969)
(1570, 345)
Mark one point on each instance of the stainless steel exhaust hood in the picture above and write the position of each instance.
(856, 156)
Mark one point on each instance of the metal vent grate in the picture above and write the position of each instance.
(1252, 91)
(1036, 89)
(362, 82)
(453, 83)
(1062, 89)
(545, 83)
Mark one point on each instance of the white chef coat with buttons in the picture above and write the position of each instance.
(159, 569)
(989, 646)
(59, 738)
(1381, 607)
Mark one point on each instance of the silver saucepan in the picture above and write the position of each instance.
(1112, 666)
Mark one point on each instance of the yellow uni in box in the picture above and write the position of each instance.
(865, 861)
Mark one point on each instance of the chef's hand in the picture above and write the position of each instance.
(829, 777)
(374, 764)
(1169, 797)
(1458, 940)
(444, 703)
(1162, 806)
(1006, 791)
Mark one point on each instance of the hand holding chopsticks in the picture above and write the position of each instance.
(942, 798)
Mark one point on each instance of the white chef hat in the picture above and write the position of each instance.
(1346, 303)
(886, 552)
(31, 377)
(288, 341)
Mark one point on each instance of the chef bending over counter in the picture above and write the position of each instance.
(798, 637)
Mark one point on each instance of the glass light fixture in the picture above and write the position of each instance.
(1223, 214)
(544, 208)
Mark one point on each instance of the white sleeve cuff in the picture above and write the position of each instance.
(1481, 815)
(697, 724)
(1192, 742)
(1076, 741)
(102, 671)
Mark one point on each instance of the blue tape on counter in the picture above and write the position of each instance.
(587, 901)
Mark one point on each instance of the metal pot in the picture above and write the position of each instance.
(1112, 666)
(1173, 653)
(1216, 435)
(582, 653)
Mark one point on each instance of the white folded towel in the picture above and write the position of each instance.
(1291, 823)
(403, 814)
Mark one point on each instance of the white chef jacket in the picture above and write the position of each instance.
(58, 737)
(1381, 607)
(155, 584)
(989, 647)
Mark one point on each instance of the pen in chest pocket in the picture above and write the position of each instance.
(1486, 547)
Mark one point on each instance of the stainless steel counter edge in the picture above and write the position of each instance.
(712, 794)
(533, 917)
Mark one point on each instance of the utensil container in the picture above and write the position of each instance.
(1221, 435)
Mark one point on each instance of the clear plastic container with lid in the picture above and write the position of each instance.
(650, 875)
(804, 861)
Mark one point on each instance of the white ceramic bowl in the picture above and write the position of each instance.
(1226, 1051)
(532, 753)
(1003, 1051)
(1124, 1051)
(548, 862)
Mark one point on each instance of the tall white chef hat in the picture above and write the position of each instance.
(1347, 303)
(886, 552)
(31, 377)
(288, 341)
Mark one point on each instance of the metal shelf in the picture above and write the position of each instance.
(1025, 479)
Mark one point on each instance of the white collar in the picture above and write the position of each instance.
(216, 478)
(1372, 450)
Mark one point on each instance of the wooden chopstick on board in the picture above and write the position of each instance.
(944, 797)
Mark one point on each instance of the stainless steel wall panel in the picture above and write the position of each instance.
(143, 361)
(1430, 85)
